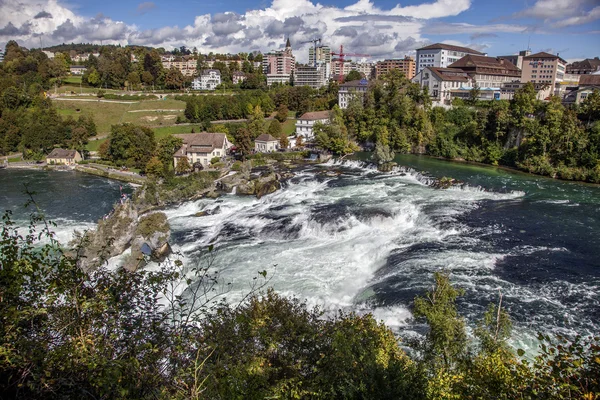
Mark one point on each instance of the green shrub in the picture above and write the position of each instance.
(215, 160)
(237, 166)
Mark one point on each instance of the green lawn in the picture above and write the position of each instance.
(289, 127)
(168, 130)
(107, 114)
(94, 145)
(104, 114)
(75, 79)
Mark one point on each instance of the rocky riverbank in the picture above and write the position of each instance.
(137, 224)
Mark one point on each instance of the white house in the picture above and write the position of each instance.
(238, 77)
(266, 143)
(209, 79)
(77, 69)
(441, 55)
(349, 90)
(441, 81)
(304, 125)
(201, 147)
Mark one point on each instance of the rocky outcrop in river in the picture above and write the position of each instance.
(122, 229)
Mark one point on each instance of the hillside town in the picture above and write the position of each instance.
(447, 71)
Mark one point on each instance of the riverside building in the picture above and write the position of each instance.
(441, 55)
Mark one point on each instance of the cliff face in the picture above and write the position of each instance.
(118, 231)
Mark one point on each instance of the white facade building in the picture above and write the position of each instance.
(282, 79)
(202, 147)
(350, 90)
(304, 125)
(266, 143)
(209, 79)
(441, 81)
(314, 77)
(441, 55)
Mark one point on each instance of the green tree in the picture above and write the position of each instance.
(256, 121)
(134, 79)
(284, 141)
(474, 94)
(244, 142)
(282, 113)
(353, 76)
(131, 145)
(165, 151)
(174, 79)
(446, 341)
(183, 166)
(275, 129)
(154, 167)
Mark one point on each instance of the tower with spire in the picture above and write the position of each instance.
(279, 65)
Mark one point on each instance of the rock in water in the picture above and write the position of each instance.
(153, 230)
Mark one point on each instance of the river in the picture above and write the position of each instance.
(346, 236)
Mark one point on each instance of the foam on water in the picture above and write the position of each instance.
(367, 241)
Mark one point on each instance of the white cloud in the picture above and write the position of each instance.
(551, 9)
(586, 18)
(362, 27)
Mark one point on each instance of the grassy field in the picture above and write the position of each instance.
(107, 114)
(289, 127)
(75, 79)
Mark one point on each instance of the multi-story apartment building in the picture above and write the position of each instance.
(365, 68)
(440, 82)
(585, 67)
(187, 66)
(349, 90)
(339, 68)
(441, 55)
(406, 65)
(544, 68)
(323, 55)
(209, 79)
(315, 77)
(1, 56)
(488, 72)
(517, 59)
(279, 64)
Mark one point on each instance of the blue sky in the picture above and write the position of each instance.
(382, 28)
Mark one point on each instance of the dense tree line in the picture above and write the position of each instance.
(545, 138)
(204, 109)
(28, 121)
(68, 333)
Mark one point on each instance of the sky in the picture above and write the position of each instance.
(379, 28)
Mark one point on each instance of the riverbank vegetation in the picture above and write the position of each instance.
(544, 138)
(67, 333)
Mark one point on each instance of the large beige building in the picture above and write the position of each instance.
(406, 65)
(543, 68)
(186, 66)
(201, 147)
(488, 72)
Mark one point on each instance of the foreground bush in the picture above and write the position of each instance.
(69, 334)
